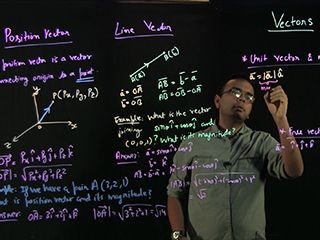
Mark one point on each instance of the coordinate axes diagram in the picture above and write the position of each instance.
(39, 124)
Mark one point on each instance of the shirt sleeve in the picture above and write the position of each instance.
(179, 180)
(272, 153)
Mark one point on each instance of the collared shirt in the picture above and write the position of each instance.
(224, 179)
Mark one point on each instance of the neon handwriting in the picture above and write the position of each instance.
(128, 211)
(130, 194)
(195, 165)
(155, 115)
(223, 178)
(6, 160)
(40, 121)
(7, 64)
(15, 79)
(40, 173)
(150, 29)
(200, 110)
(136, 93)
(104, 185)
(267, 78)
(193, 124)
(179, 92)
(46, 155)
(37, 201)
(29, 39)
(299, 138)
(139, 73)
(9, 216)
(280, 60)
(161, 151)
(163, 83)
(179, 183)
(136, 143)
(142, 210)
(81, 77)
(5, 189)
(217, 134)
(292, 25)
(163, 123)
(151, 173)
(96, 191)
(253, 58)
(81, 74)
(300, 133)
(77, 94)
(132, 119)
(172, 125)
(6, 174)
(50, 214)
(302, 145)
(126, 158)
(11, 64)
(182, 87)
(133, 157)
(135, 131)
(136, 101)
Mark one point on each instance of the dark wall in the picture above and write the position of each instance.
(90, 126)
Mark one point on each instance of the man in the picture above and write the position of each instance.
(223, 178)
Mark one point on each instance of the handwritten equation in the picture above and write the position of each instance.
(130, 211)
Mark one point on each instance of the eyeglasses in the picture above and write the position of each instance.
(238, 92)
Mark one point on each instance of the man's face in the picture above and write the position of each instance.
(234, 102)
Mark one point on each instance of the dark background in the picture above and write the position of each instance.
(211, 39)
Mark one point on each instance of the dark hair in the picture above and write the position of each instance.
(223, 82)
